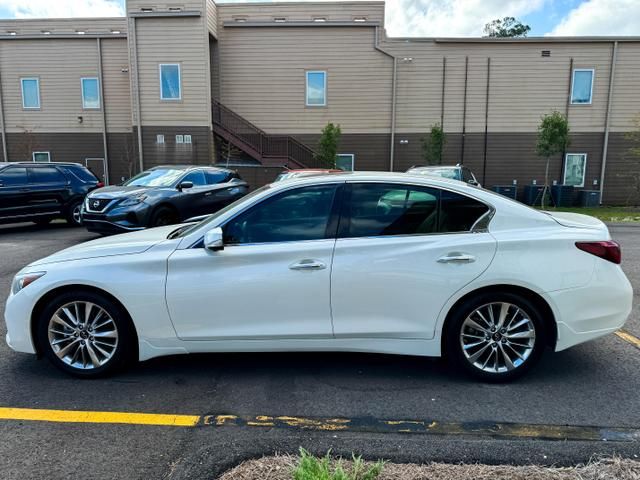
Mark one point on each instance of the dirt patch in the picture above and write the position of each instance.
(280, 468)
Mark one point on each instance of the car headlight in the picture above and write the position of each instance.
(127, 202)
(23, 280)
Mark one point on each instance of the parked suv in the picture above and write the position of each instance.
(455, 172)
(40, 192)
(162, 195)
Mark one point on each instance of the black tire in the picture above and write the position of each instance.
(42, 222)
(497, 342)
(72, 215)
(163, 216)
(124, 351)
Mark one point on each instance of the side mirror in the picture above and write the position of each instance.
(183, 185)
(213, 239)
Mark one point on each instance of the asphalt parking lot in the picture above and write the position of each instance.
(592, 385)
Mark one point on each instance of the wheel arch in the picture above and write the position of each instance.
(164, 204)
(535, 298)
(42, 303)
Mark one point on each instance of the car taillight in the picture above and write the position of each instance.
(608, 250)
(100, 184)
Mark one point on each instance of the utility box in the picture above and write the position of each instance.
(510, 191)
(533, 194)
(562, 195)
(589, 198)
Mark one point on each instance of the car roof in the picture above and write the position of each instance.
(191, 167)
(41, 164)
(434, 167)
(311, 170)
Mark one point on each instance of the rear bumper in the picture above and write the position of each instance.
(599, 308)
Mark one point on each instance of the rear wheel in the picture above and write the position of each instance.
(73, 216)
(163, 216)
(85, 334)
(496, 337)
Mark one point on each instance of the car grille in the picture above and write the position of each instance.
(97, 204)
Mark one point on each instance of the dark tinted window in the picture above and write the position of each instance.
(197, 177)
(82, 173)
(214, 176)
(458, 213)
(295, 215)
(46, 175)
(13, 176)
(386, 209)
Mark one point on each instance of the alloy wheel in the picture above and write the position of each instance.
(76, 215)
(83, 335)
(497, 337)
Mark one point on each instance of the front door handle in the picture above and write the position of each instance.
(457, 258)
(308, 264)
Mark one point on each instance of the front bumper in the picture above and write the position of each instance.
(117, 220)
(17, 315)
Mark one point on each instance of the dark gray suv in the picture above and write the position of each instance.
(162, 195)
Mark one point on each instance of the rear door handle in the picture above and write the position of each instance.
(308, 264)
(457, 258)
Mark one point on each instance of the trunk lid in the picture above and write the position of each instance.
(578, 220)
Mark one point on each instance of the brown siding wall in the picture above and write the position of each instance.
(371, 150)
(199, 152)
(258, 176)
(619, 186)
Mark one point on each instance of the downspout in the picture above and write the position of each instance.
(134, 44)
(5, 154)
(605, 146)
(444, 76)
(566, 114)
(464, 109)
(486, 123)
(104, 113)
(393, 97)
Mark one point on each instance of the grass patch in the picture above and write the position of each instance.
(284, 467)
(606, 214)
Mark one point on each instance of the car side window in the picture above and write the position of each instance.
(46, 175)
(214, 177)
(375, 209)
(13, 176)
(196, 177)
(458, 213)
(295, 215)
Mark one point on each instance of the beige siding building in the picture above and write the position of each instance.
(253, 84)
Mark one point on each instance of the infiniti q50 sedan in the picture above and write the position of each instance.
(366, 262)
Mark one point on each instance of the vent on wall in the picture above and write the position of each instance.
(546, 53)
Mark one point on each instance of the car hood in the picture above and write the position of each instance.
(118, 191)
(124, 244)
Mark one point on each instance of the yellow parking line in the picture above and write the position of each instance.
(72, 416)
(627, 337)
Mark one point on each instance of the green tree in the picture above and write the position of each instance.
(328, 145)
(433, 145)
(507, 27)
(553, 138)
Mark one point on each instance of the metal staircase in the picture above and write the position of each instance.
(281, 150)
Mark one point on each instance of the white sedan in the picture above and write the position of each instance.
(366, 262)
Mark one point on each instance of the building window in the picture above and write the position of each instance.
(90, 93)
(575, 167)
(41, 157)
(179, 138)
(187, 139)
(30, 92)
(344, 161)
(170, 81)
(160, 139)
(582, 86)
(316, 89)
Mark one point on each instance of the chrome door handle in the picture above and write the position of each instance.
(457, 258)
(308, 264)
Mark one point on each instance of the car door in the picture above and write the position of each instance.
(402, 252)
(271, 280)
(224, 188)
(49, 189)
(14, 192)
(192, 201)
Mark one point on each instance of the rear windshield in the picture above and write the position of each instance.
(451, 173)
(82, 173)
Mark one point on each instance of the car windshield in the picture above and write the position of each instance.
(158, 177)
(188, 229)
(451, 173)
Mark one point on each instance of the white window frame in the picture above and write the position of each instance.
(84, 107)
(584, 173)
(306, 88)
(187, 139)
(179, 139)
(179, 98)
(573, 78)
(353, 160)
(160, 139)
(22, 80)
(33, 156)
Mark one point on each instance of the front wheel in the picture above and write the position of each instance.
(496, 337)
(85, 334)
(163, 216)
(73, 216)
